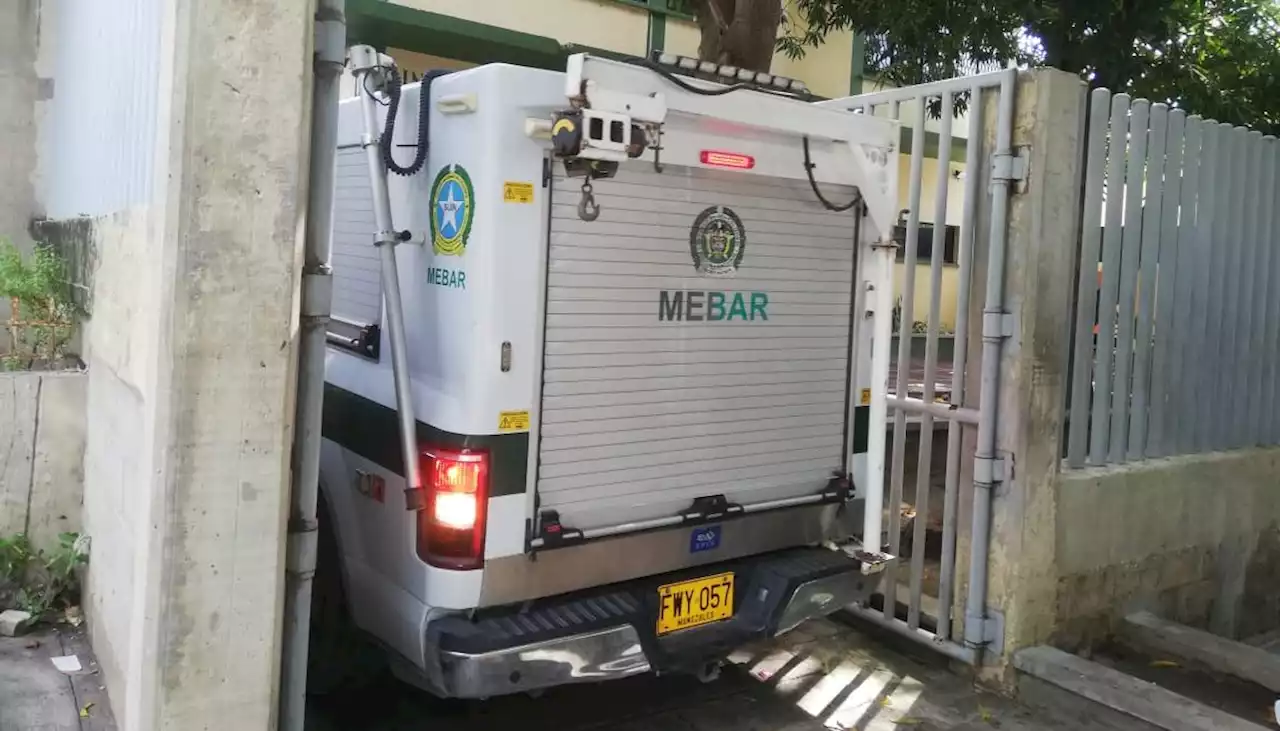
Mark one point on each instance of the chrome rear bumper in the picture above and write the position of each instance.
(778, 593)
(584, 658)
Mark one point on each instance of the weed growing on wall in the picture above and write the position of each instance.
(43, 316)
(36, 581)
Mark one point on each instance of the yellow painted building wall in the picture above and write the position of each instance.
(599, 23)
(624, 28)
(826, 69)
(930, 180)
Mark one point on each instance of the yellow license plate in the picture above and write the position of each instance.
(693, 603)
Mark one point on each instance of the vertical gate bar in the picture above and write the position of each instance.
(882, 259)
(1104, 356)
(1181, 378)
(951, 496)
(1272, 202)
(924, 458)
(1167, 332)
(1122, 387)
(1220, 257)
(1233, 334)
(1270, 416)
(1263, 292)
(1147, 266)
(1206, 211)
(1087, 286)
(890, 585)
(1234, 256)
(1249, 342)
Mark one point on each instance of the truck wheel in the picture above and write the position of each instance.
(337, 652)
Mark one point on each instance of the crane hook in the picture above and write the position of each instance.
(588, 209)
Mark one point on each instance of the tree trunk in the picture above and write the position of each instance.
(742, 33)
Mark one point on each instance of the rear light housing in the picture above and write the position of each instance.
(451, 526)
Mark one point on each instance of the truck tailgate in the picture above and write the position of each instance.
(696, 344)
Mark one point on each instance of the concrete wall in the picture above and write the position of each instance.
(42, 442)
(1194, 539)
(1039, 259)
(183, 184)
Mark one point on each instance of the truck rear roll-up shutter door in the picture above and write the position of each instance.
(696, 344)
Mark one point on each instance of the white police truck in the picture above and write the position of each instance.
(607, 354)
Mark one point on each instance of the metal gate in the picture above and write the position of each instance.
(938, 239)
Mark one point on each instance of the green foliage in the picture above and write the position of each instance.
(1216, 58)
(36, 581)
(42, 325)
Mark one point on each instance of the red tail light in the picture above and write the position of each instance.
(451, 526)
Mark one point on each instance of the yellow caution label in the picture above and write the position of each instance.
(865, 399)
(509, 421)
(563, 125)
(515, 192)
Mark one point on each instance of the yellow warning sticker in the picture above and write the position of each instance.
(509, 421)
(514, 192)
(865, 400)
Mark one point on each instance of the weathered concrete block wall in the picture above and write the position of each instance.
(193, 118)
(42, 438)
(1194, 539)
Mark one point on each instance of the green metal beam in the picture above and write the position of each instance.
(657, 32)
(675, 8)
(959, 145)
(388, 25)
(857, 64)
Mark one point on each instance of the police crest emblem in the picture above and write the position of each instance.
(717, 241)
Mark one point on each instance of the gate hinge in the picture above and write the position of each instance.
(1011, 167)
(985, 632)
(988, 470)
(999, 324)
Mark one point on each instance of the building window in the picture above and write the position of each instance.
(924, 243)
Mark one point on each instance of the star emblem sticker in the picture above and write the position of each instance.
(449, 208)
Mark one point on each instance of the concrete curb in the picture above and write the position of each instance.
(1125, 694)
(1216, 653)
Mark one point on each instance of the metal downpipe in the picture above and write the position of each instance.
(317, 289)
(992, 344)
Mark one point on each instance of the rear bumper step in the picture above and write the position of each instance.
(610, 632)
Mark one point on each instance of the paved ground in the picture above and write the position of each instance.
(825, 675)
(34, 695)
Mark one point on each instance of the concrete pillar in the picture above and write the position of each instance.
(190, 351)
(1039, 281)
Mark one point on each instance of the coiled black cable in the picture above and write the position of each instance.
(424, 122)
(813, 183)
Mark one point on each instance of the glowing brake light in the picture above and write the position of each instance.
(451, 527)
(722, 159)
